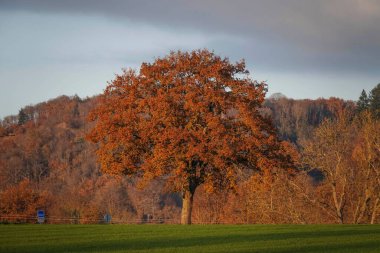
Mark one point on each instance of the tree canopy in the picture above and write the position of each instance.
(363, 102)
(370, 102)
(375, 101)
(190, 117)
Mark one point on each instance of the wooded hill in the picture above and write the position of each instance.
(47, 163)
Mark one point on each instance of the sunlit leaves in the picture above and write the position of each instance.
(175, 118)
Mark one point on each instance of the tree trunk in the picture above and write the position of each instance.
(363, 207)
(187, 207)
(373, 216)
(337, 204)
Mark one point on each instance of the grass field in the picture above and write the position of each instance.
(195, 238)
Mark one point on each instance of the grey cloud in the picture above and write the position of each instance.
(304, 48)
(336, 35)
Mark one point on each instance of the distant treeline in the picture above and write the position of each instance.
(46, 163)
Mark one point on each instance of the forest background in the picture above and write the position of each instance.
(47, 163)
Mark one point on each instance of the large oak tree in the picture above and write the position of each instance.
(191, 118)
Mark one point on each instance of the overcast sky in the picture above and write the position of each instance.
(302, 48)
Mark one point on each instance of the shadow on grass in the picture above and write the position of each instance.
(292, 241)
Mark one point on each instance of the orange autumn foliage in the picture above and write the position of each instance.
(22, 200)
(192, 118)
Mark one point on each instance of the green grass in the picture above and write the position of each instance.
(195, 238)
